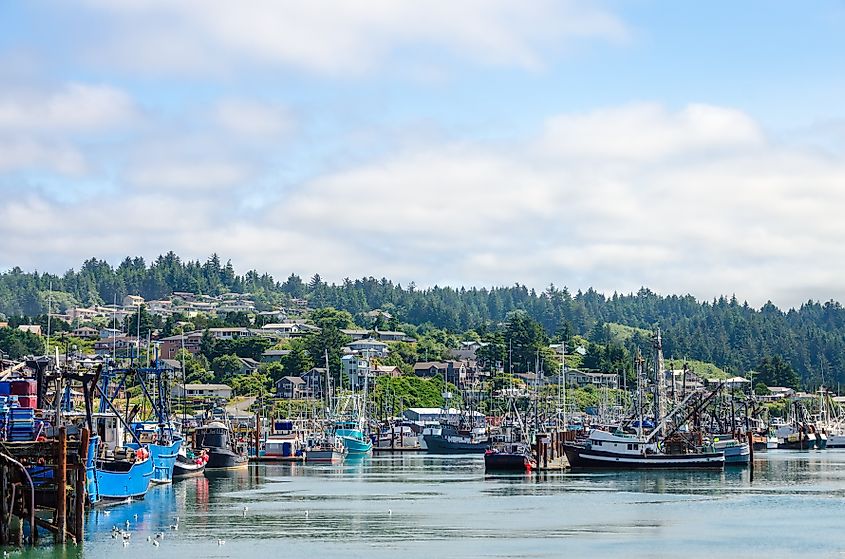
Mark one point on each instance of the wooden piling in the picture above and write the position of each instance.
(750, 456)
(81, 486)
(61, 488)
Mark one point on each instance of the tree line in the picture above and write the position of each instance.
(724, 331)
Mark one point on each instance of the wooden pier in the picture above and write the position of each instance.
(548, 451)
(42, 487)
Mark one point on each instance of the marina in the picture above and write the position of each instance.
(389, 504)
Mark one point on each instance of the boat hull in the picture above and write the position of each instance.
(185, 468)
(507, 462)
(220, 459)
(437, 444)
(164, 460)
(580, 457)
(133, 483)
(324, 456)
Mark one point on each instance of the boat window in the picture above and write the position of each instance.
(630, 446)
(598, 443)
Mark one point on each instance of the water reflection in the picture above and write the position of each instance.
(417, 505)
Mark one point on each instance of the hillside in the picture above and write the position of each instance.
(726, 332)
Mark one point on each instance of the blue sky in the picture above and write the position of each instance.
(688, 147)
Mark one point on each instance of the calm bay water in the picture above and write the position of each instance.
(432, 506)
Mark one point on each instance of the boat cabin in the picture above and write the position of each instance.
(620, 443)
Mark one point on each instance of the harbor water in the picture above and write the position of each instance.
(409, 506)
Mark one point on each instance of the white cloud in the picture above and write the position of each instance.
(75, 107)
(338, 37)
(253, 120)
(709, 206)
(189, 175)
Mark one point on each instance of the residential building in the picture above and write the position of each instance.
(291, 387)
(132, 301)
(370, 347)
(31, 328)
(274, 355)
(453, 371)
(86, 332)
(122, 346)
(202, 391)
(230, 333)
(171, 345)
(578, 378)
(109, 333)
(248, 365)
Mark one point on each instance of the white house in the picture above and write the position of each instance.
(202, 391)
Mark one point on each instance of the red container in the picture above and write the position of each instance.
(27, 401)
(23, 387)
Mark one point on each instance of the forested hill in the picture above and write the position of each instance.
(723, 331)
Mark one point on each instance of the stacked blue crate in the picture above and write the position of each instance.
(21, 424)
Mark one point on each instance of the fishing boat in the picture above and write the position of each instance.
(189, 464)
(603, 450)
(215, 439)
(285, 444)
(736, 452)
(450, 440)
(352, 436)
(164, 444)
(120, 471)
(327, 450)
(509, 457)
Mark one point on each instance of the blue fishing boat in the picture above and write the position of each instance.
(352, 438)
(164, 444)
(121, 471)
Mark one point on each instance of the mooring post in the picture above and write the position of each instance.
(81, 483)
(751, 455)
(61, 488)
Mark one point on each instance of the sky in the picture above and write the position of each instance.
(689, 147)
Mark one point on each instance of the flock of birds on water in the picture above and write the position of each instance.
(126, 536)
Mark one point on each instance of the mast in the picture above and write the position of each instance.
(659, 397)
(49, 316)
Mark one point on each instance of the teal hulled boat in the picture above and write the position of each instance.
(353, 438)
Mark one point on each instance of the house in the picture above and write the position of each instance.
(291, 388)
(173, 364)
(109, 333)
(274, 355)
(132, 301)
(393, 336)
(315, 380)
(777, 393)
(202, 391)
(369, 346)
(170, 346)
(453, 371)
(162, 307)
(123, 346)
(248, 365)
(230, 333)
(355, 334)
(31, 328)
(387, 371)
(355, 369)
(86, 332)
(286, 329)
(580, 379)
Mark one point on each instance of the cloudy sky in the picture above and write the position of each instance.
(688, 147)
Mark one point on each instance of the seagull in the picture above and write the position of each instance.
(306, 514)
(127, 524)
(176, 520)
(155, 543)
(174, 526)
(390, 512)
(149, 538)
(135, 517)
(221, 542)
(160, 536)
(107, 512)
(127, 535)
(125, 543)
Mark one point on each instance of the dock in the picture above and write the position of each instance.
(548, 451)
(42, 487)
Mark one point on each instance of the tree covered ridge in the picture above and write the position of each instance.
(723, 331)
